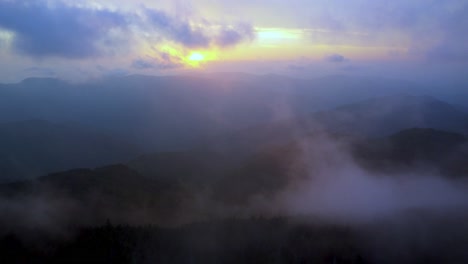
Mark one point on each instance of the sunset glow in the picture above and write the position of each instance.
(143, 37)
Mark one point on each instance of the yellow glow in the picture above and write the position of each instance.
(171, 50)
(278, 34)
(196, 58)
(270, 37)
(277, 44)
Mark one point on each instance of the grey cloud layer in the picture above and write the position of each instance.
(67, 31)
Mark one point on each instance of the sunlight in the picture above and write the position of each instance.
(196, 56)
(275, 36)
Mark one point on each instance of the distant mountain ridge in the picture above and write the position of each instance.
(447, 152)
(377, 117)
(36, 147)
(173, 113)
(388, 115)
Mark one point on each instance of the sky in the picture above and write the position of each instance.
(85, 39)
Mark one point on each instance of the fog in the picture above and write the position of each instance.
(337, 189)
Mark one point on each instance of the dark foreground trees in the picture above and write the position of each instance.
(244, 241)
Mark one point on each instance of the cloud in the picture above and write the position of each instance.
(164, 62)
(231, 36)
(142, 64)
(40, 29)
(40, 71)
(202, 36)
(336, 58)
(428, 29)
(112, 71)
(177, 30)
(62, 31)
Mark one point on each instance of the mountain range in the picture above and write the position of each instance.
(35, 147)
(168, 113)
(174, 188)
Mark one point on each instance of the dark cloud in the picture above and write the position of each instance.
(177, 30)
(235, 35)
(337, 58)
(142, 64)
(165, 62)
(182, 32)
(62, 31)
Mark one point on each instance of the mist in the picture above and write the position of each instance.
(335, 188)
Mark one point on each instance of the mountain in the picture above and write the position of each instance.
(174, 113)
(194, 168)
(230, 178)
(36, 147)
(181, 187)
(447, 152)
(387, 115)
(91, 196)
(378, 117)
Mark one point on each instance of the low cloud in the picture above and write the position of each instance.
(163, 62)
(40, 71)
(327, 183)
(336, 58)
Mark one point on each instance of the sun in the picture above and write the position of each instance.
(196, 57)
